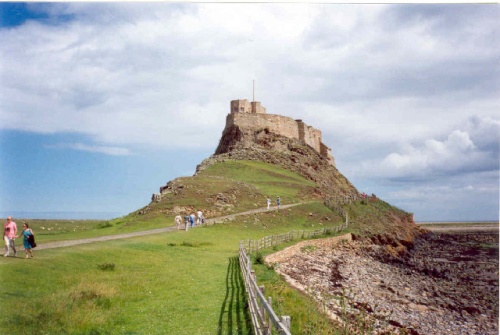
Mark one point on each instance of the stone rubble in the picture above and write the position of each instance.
(445, 284)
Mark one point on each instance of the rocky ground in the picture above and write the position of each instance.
(446, 284)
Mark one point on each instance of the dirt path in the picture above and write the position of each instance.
(69, 243)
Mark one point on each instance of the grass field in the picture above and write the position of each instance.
(171, 283)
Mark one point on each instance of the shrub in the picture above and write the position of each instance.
(308, 248)
(104, 225)
(106, 266)
(259, 258)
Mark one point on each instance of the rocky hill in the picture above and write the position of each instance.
(288, 153)
(251, 134)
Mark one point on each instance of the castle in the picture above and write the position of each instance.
(251, 117)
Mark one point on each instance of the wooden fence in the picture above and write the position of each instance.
(346, 199)
(264, 319)
(272, 240)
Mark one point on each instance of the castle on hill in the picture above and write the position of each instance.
(246, 119)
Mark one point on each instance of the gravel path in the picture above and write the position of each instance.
(69, 243)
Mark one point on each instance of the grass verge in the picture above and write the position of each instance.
(171, 283)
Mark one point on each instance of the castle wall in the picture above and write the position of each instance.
(274, 123)
(327, 152)
(309, 135)
(281, 125)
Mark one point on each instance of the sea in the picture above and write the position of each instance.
(62, 215)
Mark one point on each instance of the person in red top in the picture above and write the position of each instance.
(9, 234)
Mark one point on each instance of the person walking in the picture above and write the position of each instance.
(199, 218)
(192, 218)
(9, 234)
(178, 221)
(28, 248)
(278, 202)
(268, 202)
(187, 218)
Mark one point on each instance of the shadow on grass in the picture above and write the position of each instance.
(234, 315)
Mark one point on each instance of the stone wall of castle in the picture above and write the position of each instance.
(249, 122)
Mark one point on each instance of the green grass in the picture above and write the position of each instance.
(246, 184)
(60, 230)
(268, 179)
(373, 217)
(171, 283)
(306, 315)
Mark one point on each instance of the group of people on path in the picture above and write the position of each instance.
(190, 220)
(10, 234)
(278, 202)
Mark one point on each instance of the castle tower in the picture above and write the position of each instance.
(243, 106)
(258, 108)
(240, 106)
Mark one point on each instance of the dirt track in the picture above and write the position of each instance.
(69, 243)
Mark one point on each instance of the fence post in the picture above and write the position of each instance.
(269, 320)
(285, 319)
(262, 311)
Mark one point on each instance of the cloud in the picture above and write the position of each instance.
(113, 151)
(470, 199)
(433, 155)
(401, 93)
(124, 76)
(474, 149)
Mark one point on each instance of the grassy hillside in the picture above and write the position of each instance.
(172, 283)
(229, 187)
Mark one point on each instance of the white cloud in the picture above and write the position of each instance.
(465, 151)
(401, 93)
(433, 154)
(113, 151)
(122, 75)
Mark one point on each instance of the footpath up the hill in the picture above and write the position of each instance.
(61, 244)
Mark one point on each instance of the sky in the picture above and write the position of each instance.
(101, 104)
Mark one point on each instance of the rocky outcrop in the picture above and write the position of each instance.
(289, 153)
(246, 130)
(446, 284)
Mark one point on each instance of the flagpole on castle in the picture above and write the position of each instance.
(253, 96)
